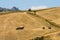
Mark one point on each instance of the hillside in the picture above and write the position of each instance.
(33, 25)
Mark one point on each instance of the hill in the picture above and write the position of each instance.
(33, 25)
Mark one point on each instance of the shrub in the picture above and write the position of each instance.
(38, 38)
(29, 9)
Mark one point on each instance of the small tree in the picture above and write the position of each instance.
(29, 9)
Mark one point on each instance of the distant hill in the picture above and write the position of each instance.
(6, 9)
(33, 24)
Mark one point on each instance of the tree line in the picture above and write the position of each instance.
(6, 9)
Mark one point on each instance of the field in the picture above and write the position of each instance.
(33, 24)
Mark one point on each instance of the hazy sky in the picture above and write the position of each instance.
(25, 4)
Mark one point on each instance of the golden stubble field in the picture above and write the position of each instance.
(33, 25)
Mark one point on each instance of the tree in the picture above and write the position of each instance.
(1, 9)
(15, 8)
(29, 9)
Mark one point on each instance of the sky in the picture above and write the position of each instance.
(26, 4)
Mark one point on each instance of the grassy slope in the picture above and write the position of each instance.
(51, 14)
(33, 25)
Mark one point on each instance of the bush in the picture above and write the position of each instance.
(29, 9)
(38, 38)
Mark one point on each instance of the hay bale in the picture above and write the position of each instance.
(49, 27)
(20, 28)
(43, 27)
